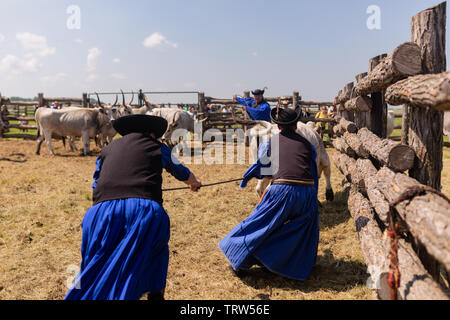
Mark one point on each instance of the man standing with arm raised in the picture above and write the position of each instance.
(257, 108)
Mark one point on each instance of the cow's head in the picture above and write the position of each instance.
(125, 109)
(149, 104)
(4, 100)
(110, 111)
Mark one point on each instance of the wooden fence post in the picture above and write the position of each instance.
(201, 101)
(40, 100)
(295, 99)
(378, 115)
(426, 126)
(85, 100)
(362, 119)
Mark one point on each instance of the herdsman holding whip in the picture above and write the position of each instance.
(282, 233)
(125, 237)
(257, 108)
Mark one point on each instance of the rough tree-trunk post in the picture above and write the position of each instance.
(362, 119)
(378, 114)
(201, 101)
(85, 100)
(426, 126)
(295, 99)
(40, 100)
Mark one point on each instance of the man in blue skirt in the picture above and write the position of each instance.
(125, 238)
(257, 108)
(282, 233)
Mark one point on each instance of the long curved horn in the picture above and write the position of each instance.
(98, 100)
(149, 103)
(123, 97)
(115, 102)
(132, 98)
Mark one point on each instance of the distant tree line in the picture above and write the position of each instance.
(22, 99)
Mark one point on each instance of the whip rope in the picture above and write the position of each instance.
(204, 185)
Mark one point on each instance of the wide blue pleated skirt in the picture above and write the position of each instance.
(282, 233)
(124, 251)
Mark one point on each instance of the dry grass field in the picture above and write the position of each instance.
(43, 200)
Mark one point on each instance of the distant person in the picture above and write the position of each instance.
(332, 112)
(54, 106)
(23, 122)
(305, 113)
(322, 114)
(257, 108)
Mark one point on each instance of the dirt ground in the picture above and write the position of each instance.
(43, 200)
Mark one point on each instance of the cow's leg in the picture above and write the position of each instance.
(72, 145)
(329, 194)
(261, 186)
(86, 142)
(48, 140)
(39, 142)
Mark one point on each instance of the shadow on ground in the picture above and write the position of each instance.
(328, 274)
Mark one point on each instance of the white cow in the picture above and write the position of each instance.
(447, 124)
(390, 122)
(72, 122)
(113, 112)
(176, 119)
(265, 129)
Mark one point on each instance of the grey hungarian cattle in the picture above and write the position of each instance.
(447, 124)
(69, 122)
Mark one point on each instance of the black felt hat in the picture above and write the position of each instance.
(284, 117)
(257, 91)
(140, 123)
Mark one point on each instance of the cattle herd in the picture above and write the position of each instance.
(96, 123)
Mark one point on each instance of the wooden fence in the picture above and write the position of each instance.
(413, 75)
(23, 113)
(224, 120)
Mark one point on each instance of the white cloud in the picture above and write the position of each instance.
(51, 80)
(78, 41)
(254, 53)
(92, 57)
(157, 40)
(34, 45)
(14, 65)
(116, 60)
(118, 76)
(2, 37)
(92, 77)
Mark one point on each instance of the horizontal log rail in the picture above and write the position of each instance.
(22, 103)
(404, 61)
(425, 91)
(396, 156)
(20, 136)
(63, 99)
(21, 126)
(416, 283)
(427, 215)
(19, 118)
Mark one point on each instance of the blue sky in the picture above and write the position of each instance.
(219, 47)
